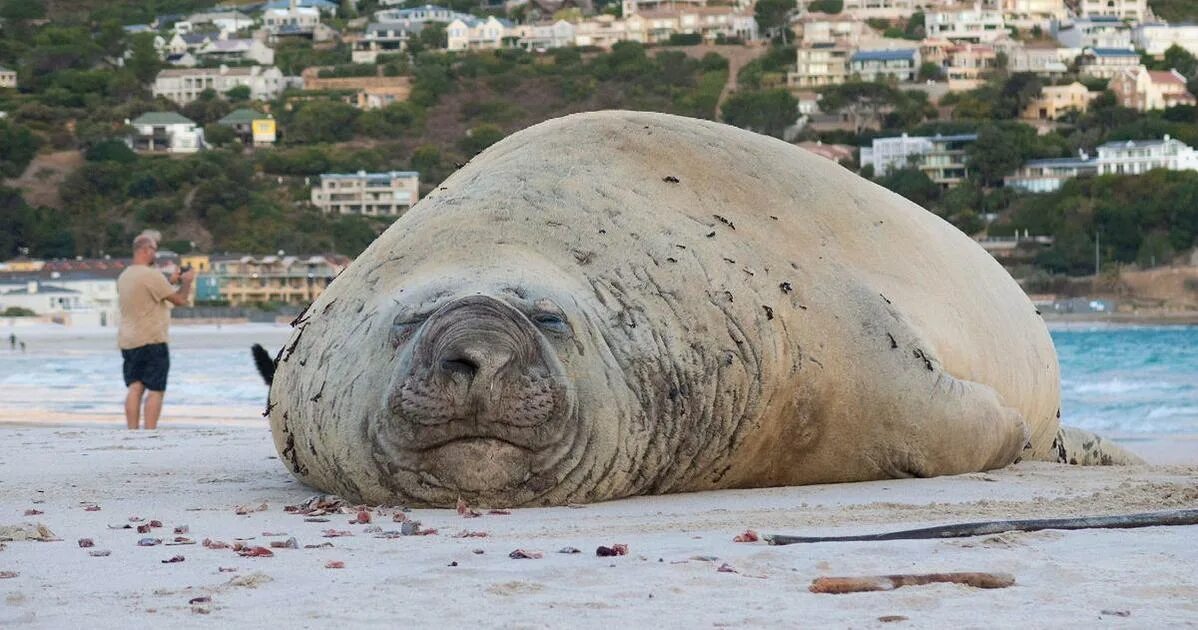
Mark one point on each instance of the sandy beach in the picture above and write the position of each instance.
(212, 473)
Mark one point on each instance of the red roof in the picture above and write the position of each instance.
(1165, 76)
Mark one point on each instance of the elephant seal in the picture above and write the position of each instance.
(620, 303)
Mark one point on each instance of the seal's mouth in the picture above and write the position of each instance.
(479, 403)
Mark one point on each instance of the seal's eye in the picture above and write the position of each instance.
(551, 322)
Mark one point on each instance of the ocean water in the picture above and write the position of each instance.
(1117, 380)
(1123, 380)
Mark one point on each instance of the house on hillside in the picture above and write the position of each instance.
(236, 51)
(969, 65)
(165, 132)
(544, 36)
(873, 65)
(1045, 176)
(476, 33)
(819, 65)
(324, 6)
(1057, 100)
(8, 78)
(974, 24)
(1155, 39)
(1130, 10)
(383, 38)
(941, 158)
(883, 9)
(1099, 32)
(1132, 157)
(1143, 89)
(1107, 63)
(184, 85)
(370, 92)
(421, 15)
(251, 127)
(814, 27)
(1044, 60)
(240, 280)
(228, 22)
(370, 194)
(1027, 14)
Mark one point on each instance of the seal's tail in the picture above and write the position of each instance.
(1082, 448)
(265, 364)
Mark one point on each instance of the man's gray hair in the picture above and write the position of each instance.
(148, 238)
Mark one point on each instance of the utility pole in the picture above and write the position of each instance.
(1097, 262)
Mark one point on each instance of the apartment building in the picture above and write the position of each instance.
(602, 31)
(1097, 32)
(815, 28)
(884, 9)
(1107, 63)
(1155, 39)
(819, 65)
(244, 280)
(383, 38)
(874, 65)
(1045, 176)
(656, 26)
(371, 194)
(183, 86)
(968, 66)
(975, 24)
(292, 19)
(1057, 100)
(1132, 10)
(1143, 89)
(166, 132)
(941, 158)
(1032, 13)
(1132, 157)
(1043, 60)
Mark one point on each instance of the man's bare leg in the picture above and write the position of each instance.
(133, 404)
(153, 409)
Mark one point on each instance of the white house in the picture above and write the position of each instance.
(872, 65)
(1027, 14)
(1132, 157)
(892, 154)
(40, 298)
(292, 20)
(884, 9)
(1045, 176)
(8, 78)
(1097, 32)
(420, 15)
(165, 131)
(974, 24)
(184, 85)
(544, 36)
(1155, 39)
(1132, 10)
(382, 38)
(1107, 63)
(237, 50)
(476, 33)
(223, 21)
(374, 194)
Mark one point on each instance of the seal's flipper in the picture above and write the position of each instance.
(266, 365)
(1082, 448)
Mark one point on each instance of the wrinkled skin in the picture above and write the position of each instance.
(562, 322)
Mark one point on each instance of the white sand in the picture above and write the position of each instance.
(198, 476)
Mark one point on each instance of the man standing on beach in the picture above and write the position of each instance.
(143, 293)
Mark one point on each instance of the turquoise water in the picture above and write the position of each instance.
(1117, 380)
(1129, 379)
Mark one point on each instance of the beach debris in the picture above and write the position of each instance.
(1116, 613)
(361, 518)
(290, 543)
(334, 564)
(748, 536)
(466, 533)
(143, 529)
(203, 599)
(26, 531)
(121, 526)
(323, 545)
(33, 512)
(705, 558)
(316, 519)
(569, 550)
(173, 560)
(91, 507)
(336, 533)
(251, 580)
(465, 511)
(724, 221)
(317, 505)
(670, 179)
(726, 568)
(373, 529)
(255, 552)
(867, 583)
(986, 528)
(617, 549)
(242, 510)
(410, 528)
(891, 618)
(399, 517)
(453, 564)
(180, 540)
(86, 542)
(99, 553)
(181, 529)
(136, 519)
(477, 552)
(6, 575)
(155, 523)
(499, 512)
(214, 544)
(149, 542)
(525, 554)
(226, 569)
(389, 534)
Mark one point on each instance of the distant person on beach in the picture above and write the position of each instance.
(144, 292)
(22, 346)
(12, 341)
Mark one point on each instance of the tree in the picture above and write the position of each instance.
(17, 147)
(238, 94)
(768, 112)
(826, 6)
(998, 152)
(143, 58)
(773, 16)
(479, 138)
(930, 71)
(322, 121)
(913, 184)
(22, 10)
(218, 135)
(862, 101)
(111, 151)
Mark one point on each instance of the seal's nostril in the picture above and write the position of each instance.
(462, 365)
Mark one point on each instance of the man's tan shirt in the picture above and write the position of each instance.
(145, 314)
